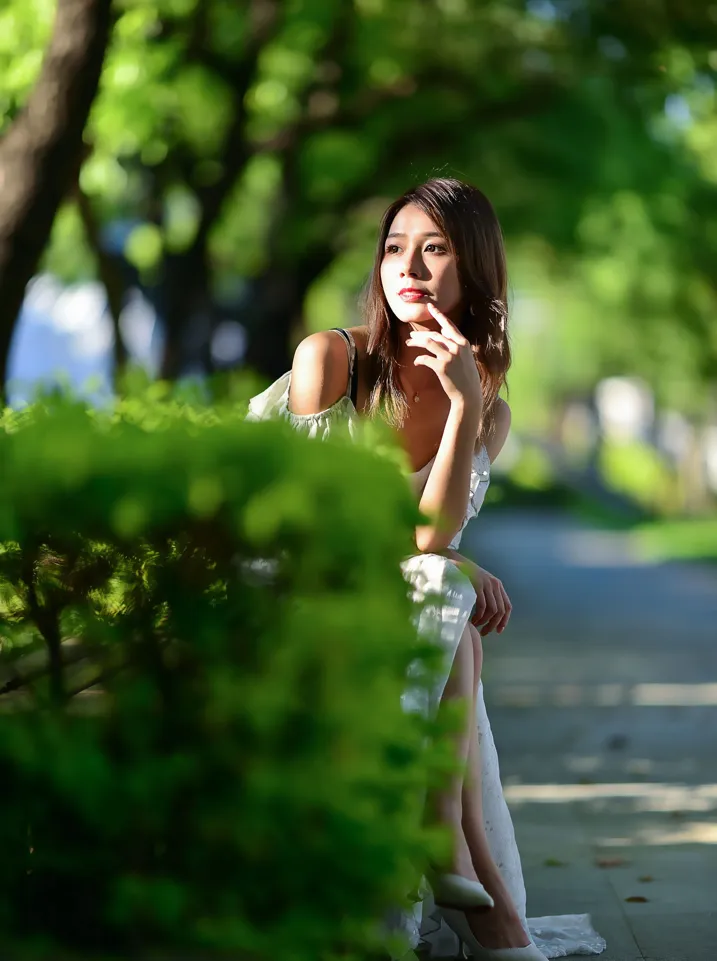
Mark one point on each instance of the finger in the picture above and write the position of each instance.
(431, 339)
(508, 610)
(497, 613)
(478, 619)
(439, 335)
(447, 326)
(427, 360)
(490, 608)
(479, 609)
(437, 350)
(480, 601)
(491, 624)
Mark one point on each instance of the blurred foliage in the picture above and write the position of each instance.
(686, 539)
(263, 138)
(638, 471)
(533, 469)
(204, 641)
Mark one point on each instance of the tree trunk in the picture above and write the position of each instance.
(39, 153)
(277, 307)
(185, 309)
(270, 316)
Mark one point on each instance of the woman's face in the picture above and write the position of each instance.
(418, 267)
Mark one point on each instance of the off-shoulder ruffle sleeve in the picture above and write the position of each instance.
(274, 402)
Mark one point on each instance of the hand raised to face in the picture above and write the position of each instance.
(450, 356)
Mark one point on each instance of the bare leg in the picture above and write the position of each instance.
(446, 806)
(501, 927)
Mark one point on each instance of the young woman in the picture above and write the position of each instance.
(431, 359)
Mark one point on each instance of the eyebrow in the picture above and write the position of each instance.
(431, 233)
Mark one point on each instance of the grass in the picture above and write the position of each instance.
(688, 539)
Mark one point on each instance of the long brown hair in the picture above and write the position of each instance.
(467, 219)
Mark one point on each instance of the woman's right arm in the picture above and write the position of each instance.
(319, 373)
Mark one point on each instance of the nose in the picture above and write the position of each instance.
(410, 264)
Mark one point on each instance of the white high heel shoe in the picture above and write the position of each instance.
(455, 891)
(457, 921)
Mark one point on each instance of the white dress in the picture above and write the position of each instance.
(555, 936)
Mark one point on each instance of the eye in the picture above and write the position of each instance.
(435, 248)
(391, 248)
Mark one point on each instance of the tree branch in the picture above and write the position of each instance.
(47, 622)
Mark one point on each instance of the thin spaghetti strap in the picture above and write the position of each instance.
(352, 385)
(353, 368)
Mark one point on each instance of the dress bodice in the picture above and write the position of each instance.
(480, 479)
(274, 403)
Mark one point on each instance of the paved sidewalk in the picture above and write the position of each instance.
(602, 694)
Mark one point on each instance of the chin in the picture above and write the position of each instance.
(411, 313)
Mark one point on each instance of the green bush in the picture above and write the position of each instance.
(205, 635)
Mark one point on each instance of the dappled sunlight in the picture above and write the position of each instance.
(605, 695)
(677, 695)
(695, 832)
(642, 798)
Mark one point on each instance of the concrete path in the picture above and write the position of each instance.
(602, 694)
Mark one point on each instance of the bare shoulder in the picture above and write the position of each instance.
(497, 428)
(360, 335)
(319, 372)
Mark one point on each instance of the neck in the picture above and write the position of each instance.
(415, 380)
(425, 388)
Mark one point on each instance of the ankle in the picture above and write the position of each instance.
(492, 880)
(496, 930)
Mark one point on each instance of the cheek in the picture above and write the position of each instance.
(385, 273)
(453, 279)
(450, 286)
